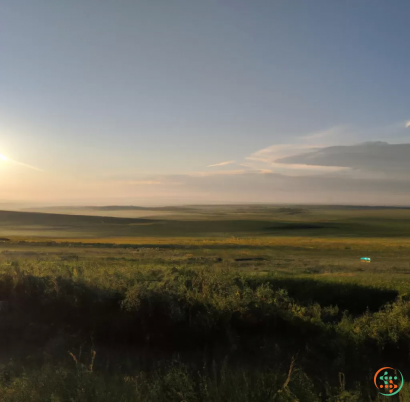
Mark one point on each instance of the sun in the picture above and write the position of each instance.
(3, 158)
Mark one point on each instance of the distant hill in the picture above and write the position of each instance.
(112, 208)
(117, 208)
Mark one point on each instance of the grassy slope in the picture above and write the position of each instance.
(211, 221)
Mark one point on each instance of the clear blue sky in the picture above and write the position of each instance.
(137, 93)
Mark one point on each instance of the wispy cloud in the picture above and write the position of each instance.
(301, 167)
(389, 159)
(329, 134)
(301, 157)
(140, 182)
(266, 185)
(286, 158)
(222, 164)
(219, 173)
(274, 152)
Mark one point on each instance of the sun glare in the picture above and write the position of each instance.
(3, 158)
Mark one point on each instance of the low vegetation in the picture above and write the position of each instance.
(202, 319)
(155, 325)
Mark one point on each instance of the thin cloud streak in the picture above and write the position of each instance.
(325, 134)
(218, 173)
(222, 164)
(140, 182)
(303, 166)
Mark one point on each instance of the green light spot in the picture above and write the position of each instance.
(395, 378)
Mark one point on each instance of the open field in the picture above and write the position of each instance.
(209, 221)
(204, 308)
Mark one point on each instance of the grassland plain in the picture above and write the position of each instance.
(107, 309)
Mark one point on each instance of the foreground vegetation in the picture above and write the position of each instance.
(205, 319)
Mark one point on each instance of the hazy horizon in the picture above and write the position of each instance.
(178, 103)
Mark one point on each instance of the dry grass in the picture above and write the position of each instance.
(302, 242)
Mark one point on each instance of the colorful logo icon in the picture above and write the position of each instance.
(388, 381)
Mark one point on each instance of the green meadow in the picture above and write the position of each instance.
(203, 303)
(208, 221)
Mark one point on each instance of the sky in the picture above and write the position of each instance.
(181, 101)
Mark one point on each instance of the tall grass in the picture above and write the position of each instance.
(192, 333)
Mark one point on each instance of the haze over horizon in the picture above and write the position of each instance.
(181, 102)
